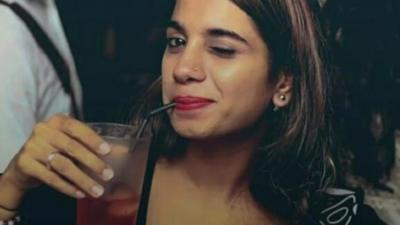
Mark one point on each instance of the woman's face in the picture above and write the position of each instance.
(215, 67)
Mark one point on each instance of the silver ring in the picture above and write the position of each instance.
(50, 158)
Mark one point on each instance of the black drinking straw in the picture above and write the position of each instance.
(151, 114)
(151, 162)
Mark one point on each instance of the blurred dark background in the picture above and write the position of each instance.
(364, 43)
(113, 52)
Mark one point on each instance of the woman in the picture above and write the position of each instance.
(248, 141)
(250, 89)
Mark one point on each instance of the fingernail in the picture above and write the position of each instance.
(107, 174)
(80, 194)
(97, 190)
(104, 148)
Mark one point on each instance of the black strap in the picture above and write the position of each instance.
(48, 47)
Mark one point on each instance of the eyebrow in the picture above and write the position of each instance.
(218, 32)
(176, 25)
(213, 32)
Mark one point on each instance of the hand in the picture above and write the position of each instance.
(51, 155)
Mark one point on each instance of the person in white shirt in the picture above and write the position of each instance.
(30, 90)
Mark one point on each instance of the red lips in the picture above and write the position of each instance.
(191, 102)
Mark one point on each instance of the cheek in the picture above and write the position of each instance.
(247, 107)
(245, 85)
(250, 98)
(246, 94)
(164, 92)
(167, 76)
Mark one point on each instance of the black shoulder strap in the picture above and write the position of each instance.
(50, 50)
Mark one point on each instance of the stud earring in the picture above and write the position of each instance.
(282, 98)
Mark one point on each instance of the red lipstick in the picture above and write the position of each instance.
(191, 102)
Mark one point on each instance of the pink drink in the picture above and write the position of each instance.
(119, 209)
(120, 202)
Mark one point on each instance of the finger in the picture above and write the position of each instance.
(38, 171)
(49, 157)
(79, 153)
(65, 167)
(80, 132)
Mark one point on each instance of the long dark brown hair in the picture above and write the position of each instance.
(293, 163)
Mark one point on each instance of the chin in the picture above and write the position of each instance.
(192, 132)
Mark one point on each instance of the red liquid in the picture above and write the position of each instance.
(116, 209)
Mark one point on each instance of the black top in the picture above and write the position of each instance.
(44, 206)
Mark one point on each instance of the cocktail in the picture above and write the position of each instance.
(128, 159)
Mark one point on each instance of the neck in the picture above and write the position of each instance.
(220, 165)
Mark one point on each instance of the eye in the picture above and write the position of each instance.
(175, 42)
(224, 52)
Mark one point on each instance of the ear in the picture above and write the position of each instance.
(283, 90)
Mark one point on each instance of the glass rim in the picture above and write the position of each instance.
(134, 127)
(112, 124)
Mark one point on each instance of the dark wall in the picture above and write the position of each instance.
(365, 52)
(110, 44)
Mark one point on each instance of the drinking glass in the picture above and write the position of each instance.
(128, 159)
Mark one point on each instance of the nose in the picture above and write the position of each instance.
(189, 67)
